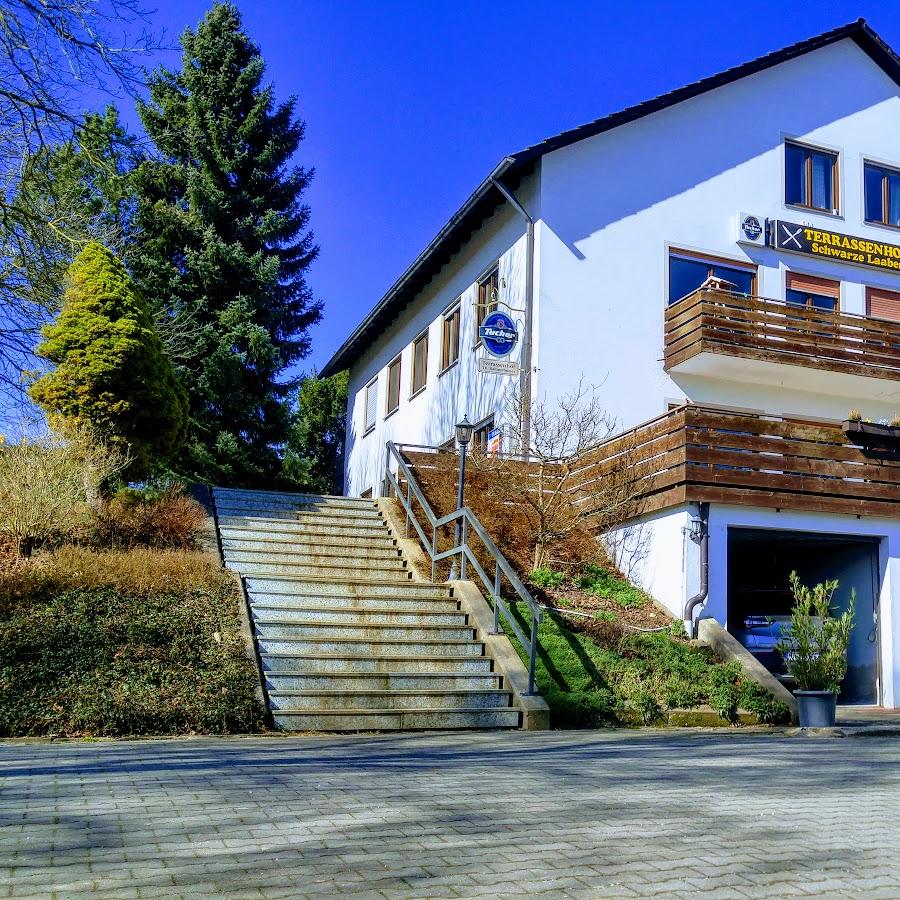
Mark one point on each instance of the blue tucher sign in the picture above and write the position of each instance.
(498, 334)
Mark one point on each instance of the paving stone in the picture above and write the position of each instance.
(591, 814)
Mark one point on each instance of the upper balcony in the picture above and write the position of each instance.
(718, 334)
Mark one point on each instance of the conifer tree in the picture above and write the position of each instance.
(111, 373)
(225, 242)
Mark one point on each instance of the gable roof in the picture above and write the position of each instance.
(512, 169)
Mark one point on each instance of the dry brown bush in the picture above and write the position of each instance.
(47, 487)
(136, 571)
(171, 521)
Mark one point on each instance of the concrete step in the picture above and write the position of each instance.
(251, 540)
(397, 720)
(320, 515)
(348, 616)
(279, 498)
(351, 682)
(309, 553)
(284, 528)
(270, 631)
(371, 571)
(294, 586)
(359, 528)
(298, 602)
(471, 699)
(360, 663)
(338, 646)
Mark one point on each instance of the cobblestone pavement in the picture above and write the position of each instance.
(570, 814)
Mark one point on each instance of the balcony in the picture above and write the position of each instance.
(696, 453)
(717, 334)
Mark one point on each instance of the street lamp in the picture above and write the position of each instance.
(464, 431)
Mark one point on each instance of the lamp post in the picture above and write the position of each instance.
(464, 431)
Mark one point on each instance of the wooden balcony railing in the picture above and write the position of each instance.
(716, 321)
(695, 453)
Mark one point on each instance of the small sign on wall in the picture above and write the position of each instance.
(488, 366)
(751, 229)
(494, 442)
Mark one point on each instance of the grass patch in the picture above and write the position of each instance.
(603, 582)
(123, 643)
(611, 677)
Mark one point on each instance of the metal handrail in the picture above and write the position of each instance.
(467, 520)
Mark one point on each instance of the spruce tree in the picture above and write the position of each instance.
(110, 369)
(225, 244)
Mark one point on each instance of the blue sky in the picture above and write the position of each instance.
(409, 105)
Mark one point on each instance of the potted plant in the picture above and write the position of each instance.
(815, 650)
(877, 435)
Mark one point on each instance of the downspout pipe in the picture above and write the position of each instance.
(701, 595)
(525, 375)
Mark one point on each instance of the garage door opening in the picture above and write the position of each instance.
(760, 601)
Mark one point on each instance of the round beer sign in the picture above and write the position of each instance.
(498, 334)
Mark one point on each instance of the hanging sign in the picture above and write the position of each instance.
(827, 244)
(498, 334)
(488, 366)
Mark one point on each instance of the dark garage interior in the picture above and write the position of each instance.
(759, 599)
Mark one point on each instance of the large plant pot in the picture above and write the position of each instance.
(817, 709)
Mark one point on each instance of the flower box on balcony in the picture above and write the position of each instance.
(871, 434)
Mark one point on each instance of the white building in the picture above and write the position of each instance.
(631, 214)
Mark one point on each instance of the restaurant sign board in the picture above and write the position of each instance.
(834, 245)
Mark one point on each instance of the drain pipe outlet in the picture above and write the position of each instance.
(699, 531)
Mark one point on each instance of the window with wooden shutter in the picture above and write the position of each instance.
(371, 410)
(812, 291)
(488, 298)
(393, 386)
(419, 364)
(450, 339)
(882, 304)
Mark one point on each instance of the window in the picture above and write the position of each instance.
(688, 272)
(480, 434)
(393, 387)
(419, 363)
(810, 178)
(371, 410)
(882, 195)
(882, 304)
(450, 339)
(488, 295)
(812, 292)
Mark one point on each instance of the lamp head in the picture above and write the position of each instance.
(464, 431)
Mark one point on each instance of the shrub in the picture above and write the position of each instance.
(546, 578)
(168, 520)
(47, 486)
(815, 650)
(600, 581)
(111, 644)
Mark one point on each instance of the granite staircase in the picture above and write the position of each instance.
(347, 639)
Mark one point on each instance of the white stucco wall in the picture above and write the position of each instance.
(655, 553)
(429, 417)
(613, 204)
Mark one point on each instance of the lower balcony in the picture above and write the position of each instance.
(714, 333)
(695, 453)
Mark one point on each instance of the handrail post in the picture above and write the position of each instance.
(532, 654)
(496, 598)
(408, 507)
(434, 550)
(462, 549)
